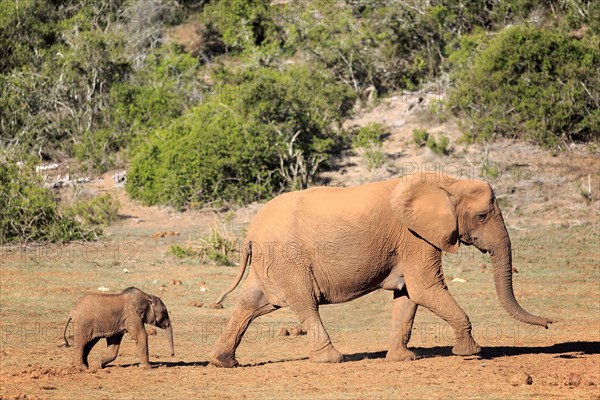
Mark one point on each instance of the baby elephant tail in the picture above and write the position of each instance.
(66, 343)
(246, 259)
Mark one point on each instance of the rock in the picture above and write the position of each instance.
(515, 271)
(521, 378)
(150, 331)
(103, 289)
(196, 304)
(157, 235)
(460, 280)
(283, 332)
(574, 379)
(203, 289)
(119, 176)
(296, 331)
(398, 123)
(176, 282)
(216, 306)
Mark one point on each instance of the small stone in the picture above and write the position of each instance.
(196, 304)
(514, 270)
(176, 282)
(521, 378)
(216, 306)
(574, 379)
(150, 331)
(283, 332)
(296, 331)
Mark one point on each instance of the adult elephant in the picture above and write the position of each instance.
(331, 245)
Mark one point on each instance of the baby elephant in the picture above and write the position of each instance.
(109, 316)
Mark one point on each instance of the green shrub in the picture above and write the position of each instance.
(210, 154)
(183, 251)
(527, 82)
(262, 131)
(439, 146)
(420, 136)
(368, 142)
(100, 210)
(29, 212)
(218, 247)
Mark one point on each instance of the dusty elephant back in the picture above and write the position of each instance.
(305, 211)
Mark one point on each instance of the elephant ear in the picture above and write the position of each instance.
(425, 207)
(144, 308)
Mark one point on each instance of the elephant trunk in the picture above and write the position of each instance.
(169, 330)
(502, 262)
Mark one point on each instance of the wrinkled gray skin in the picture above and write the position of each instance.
(110, 316)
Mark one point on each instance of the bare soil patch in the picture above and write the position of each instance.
(554, 229)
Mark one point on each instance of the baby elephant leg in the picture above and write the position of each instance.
(112, 349)
(82, 351)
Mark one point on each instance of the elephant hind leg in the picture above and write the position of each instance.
(112, 349)
(321, 349)
(82, 351)
(251, 304)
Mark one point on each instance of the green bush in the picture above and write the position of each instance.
(210, 154)
(183, 251)
(262, 131)
(29, 212)
(420, 136)
(217, 248)
(97, 211)
(368, 142)
(526, 82)
(439, 146)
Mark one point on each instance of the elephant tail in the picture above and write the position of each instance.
(66, 342)
(246, 259)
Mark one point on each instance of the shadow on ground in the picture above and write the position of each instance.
(562, 350)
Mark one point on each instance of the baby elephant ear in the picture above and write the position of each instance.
(144, 307)
(424, 206)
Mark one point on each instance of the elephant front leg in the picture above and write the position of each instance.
(403, 316)
(141, 338)
(439, 301)
(112, 349)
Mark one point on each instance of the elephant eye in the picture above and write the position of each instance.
(481, 217)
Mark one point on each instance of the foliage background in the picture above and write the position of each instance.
(235, 101)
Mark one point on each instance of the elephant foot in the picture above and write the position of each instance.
(400, 355)
(224, 360)
(80, 367)
(466, 347)
(326, 355)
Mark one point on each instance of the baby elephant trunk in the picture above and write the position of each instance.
(169, 330)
